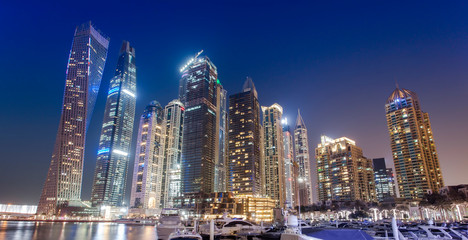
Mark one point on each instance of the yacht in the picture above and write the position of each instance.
(136, 221)
(231, 227)
(185, 235)
(169, 222)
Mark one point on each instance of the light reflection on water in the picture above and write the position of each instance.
(96, 231)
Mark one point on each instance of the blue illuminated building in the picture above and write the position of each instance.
(116, 134)
(83, 77)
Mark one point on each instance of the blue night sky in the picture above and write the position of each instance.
(337, 62)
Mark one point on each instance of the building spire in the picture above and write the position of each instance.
(249, 86)
(299, 120)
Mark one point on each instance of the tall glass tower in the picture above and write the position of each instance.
(412, 142)
(301, 143)
(116, 135)
(221, 146)
(290, 178)
(274, 154)
(146, 196)
(199, 149)
(84, 72)
(172, 170)
(245, 149)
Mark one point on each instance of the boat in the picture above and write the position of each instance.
(185, 235)
(232, 227)
(169, 222)
(136, 221)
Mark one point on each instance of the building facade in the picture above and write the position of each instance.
(244, 142)
(301, 147)
(220, 181)
(274, 154)
(384, 181)
(147, 196)
(413, 147)
(83, 78)
(343, 173)
(290, 184)
(116, 135)
(200, 136)
(172, 170)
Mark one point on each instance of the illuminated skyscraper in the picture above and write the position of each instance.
(147, 196)
(290, 177)
(84, 72)
(173, 120)
(200, 137)
(384, 181)
(245, 148)
(413, 148)
(220, 183)
(110, 175)
(274, 153)
(301, 147)
(344, 174)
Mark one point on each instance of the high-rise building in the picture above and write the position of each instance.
(116, 135)
(384, 183)
(199, 149)
(290, 178)
(301, 147)
(344, 174)
(173, 120)
(244, 140)
(274, 153)
(220, 182)
(413, 148)
(147, 196)
(84, 72)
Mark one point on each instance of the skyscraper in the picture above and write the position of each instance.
(173, 120)
(301, 147)
(344, 174)
(384, 183)
(290, 177)
(116, 135)
(84, 72)
(274, 153)
(220, 183)
(244, 140)
(199, 147)
(147, 196)
(413, 148)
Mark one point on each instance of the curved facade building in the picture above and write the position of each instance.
(84, 72)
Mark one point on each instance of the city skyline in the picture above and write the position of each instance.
(309, 106)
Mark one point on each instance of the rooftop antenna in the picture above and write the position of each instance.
(198, 54)
(396, 83)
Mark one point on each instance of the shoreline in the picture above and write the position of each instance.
(59, 220)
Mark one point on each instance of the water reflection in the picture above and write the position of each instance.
(61, 231)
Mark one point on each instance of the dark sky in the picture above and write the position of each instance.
(337, 62)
